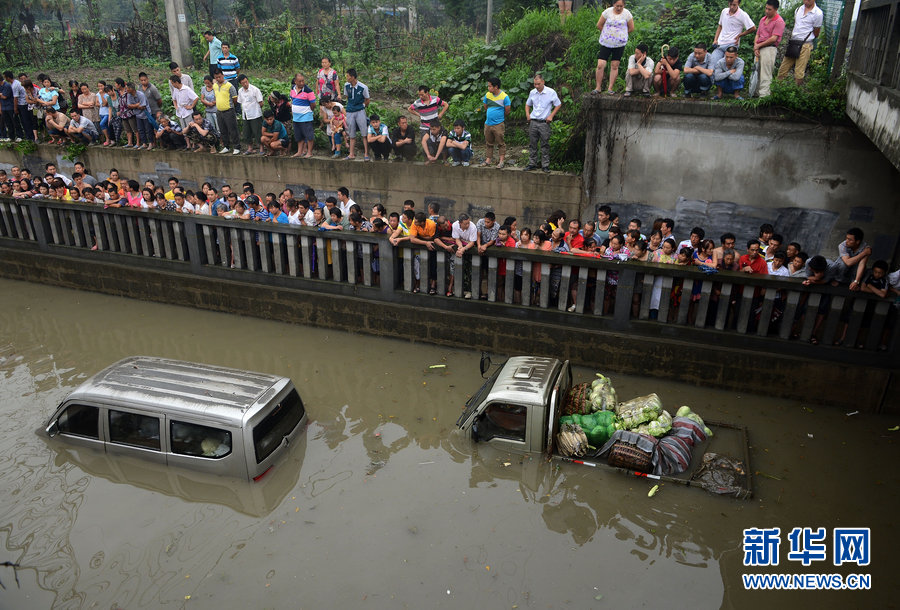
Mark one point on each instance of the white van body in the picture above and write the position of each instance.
(209, 418)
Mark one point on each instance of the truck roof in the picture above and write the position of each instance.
(178, 387)
(525, 380)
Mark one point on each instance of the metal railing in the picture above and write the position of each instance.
(647, 299)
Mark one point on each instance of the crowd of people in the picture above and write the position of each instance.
(607, 237)
(227, 114)
(709, 66)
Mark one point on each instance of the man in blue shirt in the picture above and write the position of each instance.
(214, 52)
(274, 135)
(357, 95)
(276, 214)
(8, 111)
(496, 105)
(229, 65)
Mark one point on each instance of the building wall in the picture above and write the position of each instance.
(876, 111)
(722, 167)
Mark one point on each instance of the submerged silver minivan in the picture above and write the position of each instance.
(210, 418)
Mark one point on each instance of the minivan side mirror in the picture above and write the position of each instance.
(485, 363)
(53, 428)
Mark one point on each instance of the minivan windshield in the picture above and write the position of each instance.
(478, 397)
(280, 422)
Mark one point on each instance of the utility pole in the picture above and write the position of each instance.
(840, 48)
(490, 19)
(413, 17)
(187, 58)
(179, 40)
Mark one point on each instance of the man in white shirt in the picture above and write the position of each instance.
(465, 233)
(697, 235)
(344, 201)
(542, 105)
(186, 79)
(251, 100)
(640, 71)
(81, 129)
(184, 99)
(51, 167)
(807, 25)
(734, 24)
(776, 267)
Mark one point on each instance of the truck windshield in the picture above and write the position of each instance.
(478, 397)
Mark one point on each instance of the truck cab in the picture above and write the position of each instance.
(517, 408)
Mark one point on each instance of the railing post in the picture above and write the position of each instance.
(193, 247)
(387, 265)
(41, 226)
(624, 292)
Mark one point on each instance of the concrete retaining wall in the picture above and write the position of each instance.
(876, 110)
(529, 196)
(724, 168)
(740, 370)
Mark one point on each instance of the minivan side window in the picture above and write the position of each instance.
(280, 422)
(80, 420)
(199, 441)
(134, 429)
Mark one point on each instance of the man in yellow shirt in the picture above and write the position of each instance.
(173, 184)
(226, 96)
(422, 231)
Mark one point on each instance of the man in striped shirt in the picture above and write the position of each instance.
(303, 100)
(430, 108)
(229, 64)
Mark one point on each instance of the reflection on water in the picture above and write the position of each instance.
(383, 505)
(255, 498)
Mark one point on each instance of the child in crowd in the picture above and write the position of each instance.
(705, 254)
(665, 254)
(639, 252)
(505, 240)
(797, 266)
(338, 121)
(776, 266)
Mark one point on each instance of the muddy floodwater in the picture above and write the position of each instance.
(382, 505)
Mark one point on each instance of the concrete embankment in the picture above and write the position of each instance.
(724, 168)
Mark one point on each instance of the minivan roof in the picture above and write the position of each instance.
(525, 380)
(178, 387)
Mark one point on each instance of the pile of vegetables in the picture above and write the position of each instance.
(598, 427)
(632, 413)
(656, 427)
(595, 415)
(603, 394)
(685, 411)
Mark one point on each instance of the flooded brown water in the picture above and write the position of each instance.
(382, 505)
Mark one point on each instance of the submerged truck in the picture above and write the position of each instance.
(518, 409)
